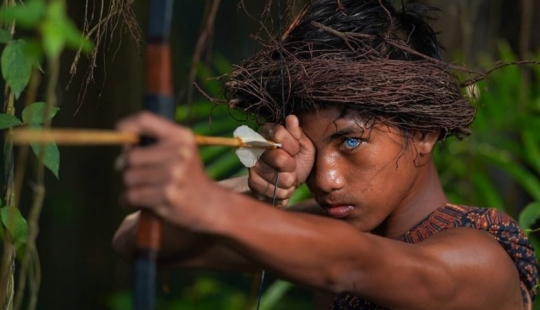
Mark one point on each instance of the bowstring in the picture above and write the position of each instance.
(263, 272)
(283, 116)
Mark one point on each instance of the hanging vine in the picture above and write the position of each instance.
(21, 65)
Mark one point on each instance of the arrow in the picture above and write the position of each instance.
(244, 137)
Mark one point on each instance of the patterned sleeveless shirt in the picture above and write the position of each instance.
(503, 228)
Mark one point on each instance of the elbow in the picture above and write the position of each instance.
(340, 279)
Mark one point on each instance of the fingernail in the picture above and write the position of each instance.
(120, 163)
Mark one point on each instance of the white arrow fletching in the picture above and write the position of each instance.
(249, 156)
(247, 134)
(250, 136)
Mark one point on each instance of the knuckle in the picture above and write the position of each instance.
(270, 191)
(280, 159)
(183, 134)
(131, 159)
(131, 197)
(281, 134)
(252, 184)
(145, 116)
(254, 179)
(283, 162)
(288, 180)
(267, 130)
(266, 158)
(291, 146)
(282, 203)
(176, 175)
(182, 153)
(283, 194)
(289, 192)
(170, 193)
(127, 178)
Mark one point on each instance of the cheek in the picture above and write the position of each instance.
(383, 174)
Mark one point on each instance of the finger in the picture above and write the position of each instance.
(281, 204)
(277, 203)
(144, 196)
(151, 125)
(267, 189)
(267, 174)
(278, 160)
(293, 126)
(268, 129)
(120, 163)
(280, 134)
(161, 153)
(147, 176)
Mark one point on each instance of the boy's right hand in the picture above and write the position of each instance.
(294, 161)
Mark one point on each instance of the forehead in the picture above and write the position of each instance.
(330, 120)
(327, 124)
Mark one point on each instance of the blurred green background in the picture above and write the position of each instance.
(498, 166)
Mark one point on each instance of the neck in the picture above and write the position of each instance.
(427, 197)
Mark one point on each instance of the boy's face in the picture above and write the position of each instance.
(363, 173)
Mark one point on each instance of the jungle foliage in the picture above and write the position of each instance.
(498, 166)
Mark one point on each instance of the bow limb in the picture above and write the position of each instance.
(158, 99)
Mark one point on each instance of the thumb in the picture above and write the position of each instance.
(293, 126)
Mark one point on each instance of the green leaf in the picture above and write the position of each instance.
(529, 215)
(504, 161)
(487, 190)
(27, 15)
(53, 39)
(52, 29)
(8, 121)
(15, 223)
(51, 158)
(531, 149)
(34, 52)
(222, 166)
(58, 31)
(75, 39)
(302, 193)
(5, 36)
(274, 294)
(33, 114)
(16, 66)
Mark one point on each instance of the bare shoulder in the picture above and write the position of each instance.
(475, 258)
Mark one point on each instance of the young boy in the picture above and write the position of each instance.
(367, 99)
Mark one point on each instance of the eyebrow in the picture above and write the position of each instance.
(345, 132)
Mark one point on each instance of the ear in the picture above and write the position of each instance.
(424, 142)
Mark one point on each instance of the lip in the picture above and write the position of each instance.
(338, 211)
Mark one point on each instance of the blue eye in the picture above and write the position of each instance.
(351, 142)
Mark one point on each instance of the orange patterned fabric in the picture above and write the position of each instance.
(502, 227)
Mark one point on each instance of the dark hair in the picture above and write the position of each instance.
(379, 19)
(365, 55)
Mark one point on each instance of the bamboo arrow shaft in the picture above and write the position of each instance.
(110, 137)
(74, 137)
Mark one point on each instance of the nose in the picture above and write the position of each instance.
(327, 175)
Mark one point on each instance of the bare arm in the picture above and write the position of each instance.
(449, 271)
(181, 248)
(456, 269)
(187, 249)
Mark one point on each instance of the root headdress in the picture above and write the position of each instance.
(360, 55)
